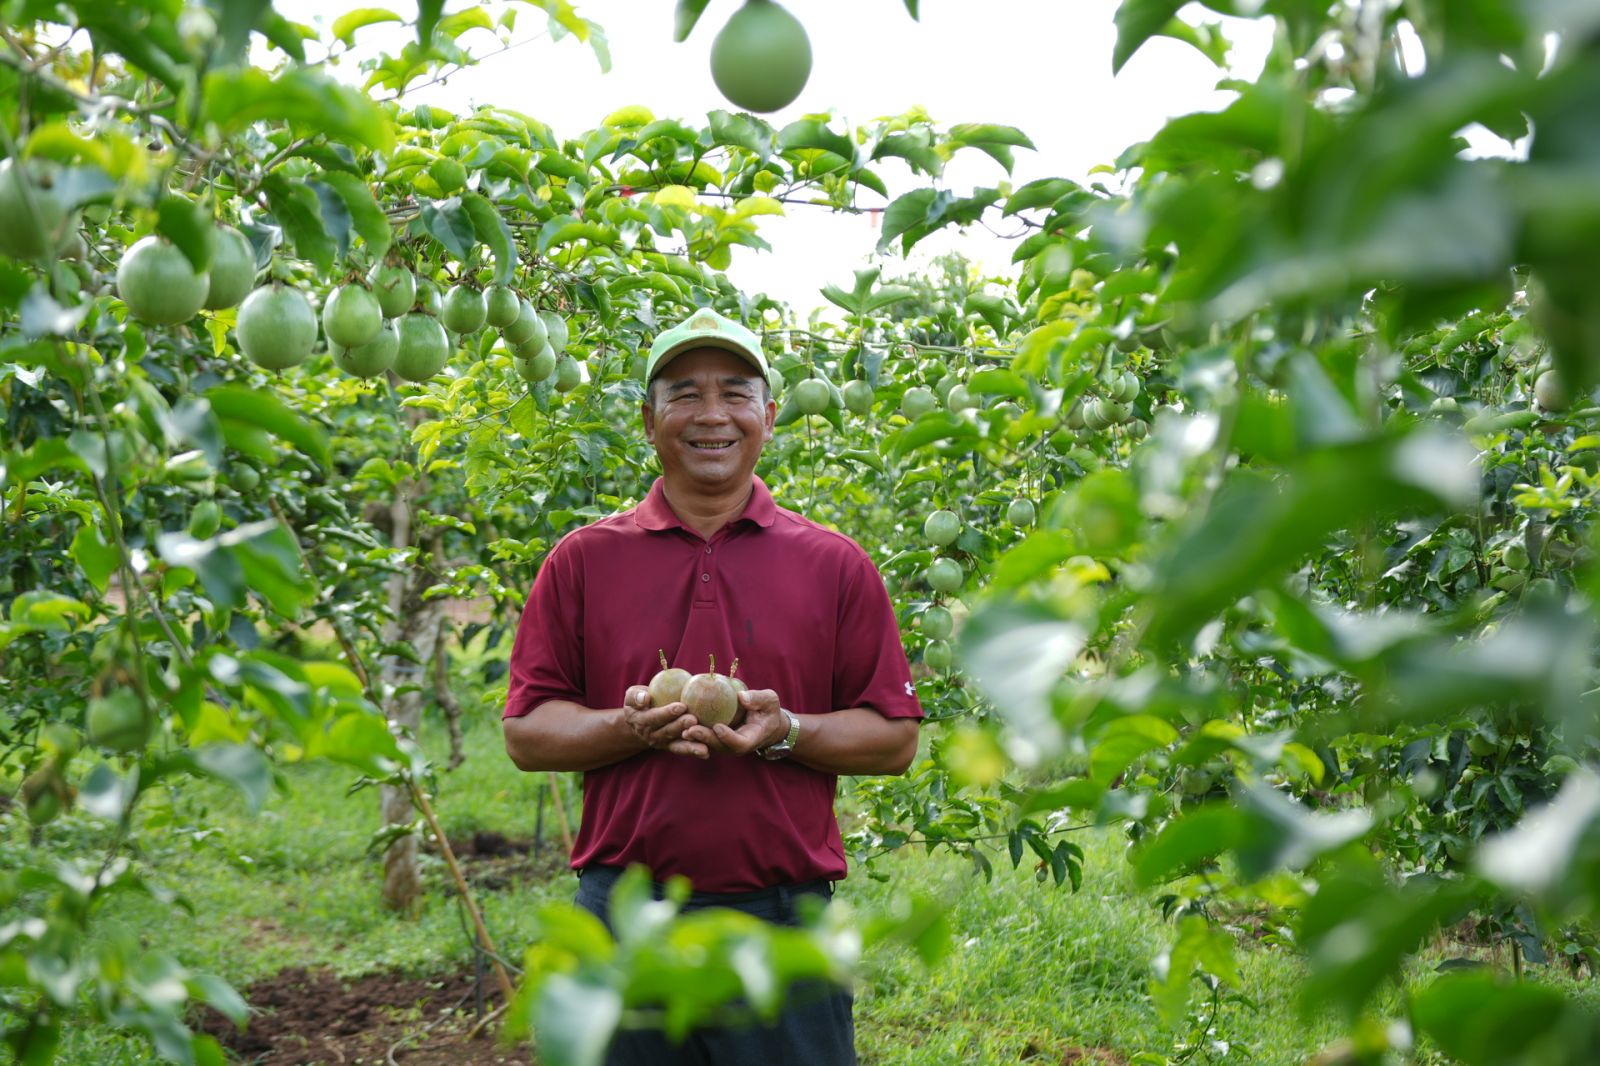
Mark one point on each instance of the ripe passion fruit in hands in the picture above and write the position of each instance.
(712, 698)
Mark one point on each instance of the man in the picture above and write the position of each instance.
(709, 566)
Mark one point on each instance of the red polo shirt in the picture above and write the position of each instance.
(806, 614)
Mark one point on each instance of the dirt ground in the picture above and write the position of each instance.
(313, 1018)
(306, 1017)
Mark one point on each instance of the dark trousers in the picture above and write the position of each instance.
(816, 1027)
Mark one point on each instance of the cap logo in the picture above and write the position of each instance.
(704, 320)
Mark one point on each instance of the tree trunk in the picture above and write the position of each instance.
(418, 623)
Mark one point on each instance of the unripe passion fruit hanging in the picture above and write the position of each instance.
(811, 396)
(917, 402)
(277, 328)
(423, 350)
(373, 358)
(159, 284)
(233, 269)
(394, 286)
(569, 375)
(762, 57)
(540, 366)
(31, 216)
(527, 329)
(937, 623)
(465, 309)
(555, 328)
(858, 397)
(352, 316)
(501, 306)
(942, 528)
(944, 575)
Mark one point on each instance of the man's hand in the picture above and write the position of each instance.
(662, 728)
(763, 725)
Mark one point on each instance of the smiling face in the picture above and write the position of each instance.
(708, 415)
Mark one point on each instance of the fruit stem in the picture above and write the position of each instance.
(734, 669)
(662, 653)
(713, 659)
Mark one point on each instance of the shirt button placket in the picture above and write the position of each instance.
(703, 594)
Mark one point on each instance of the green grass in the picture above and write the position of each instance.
(1033, 971)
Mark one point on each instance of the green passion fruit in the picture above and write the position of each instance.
(937, 623)
(1551, 392)
(277, 328)
(233, 269)
(352, 316)
(429, 300)
(501, 306)
(762, 57)
(394, 286)
(159, 284)
(465, 309)
(569, 375)
(528, 328)
(937, 655)
(944, 575)
(858, 397)
(32, 217)
(1021, 513)
(118, 722)
(372, 358)
(917, 401)
(942, 528)
(555, 330)
(811, 396)
(423, 347)
(539, 366)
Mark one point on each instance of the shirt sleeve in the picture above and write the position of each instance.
(871, 668)
(547, 654)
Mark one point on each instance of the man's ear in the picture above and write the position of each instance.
(649, 414)
(770, 419)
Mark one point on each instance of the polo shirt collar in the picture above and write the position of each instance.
(654, 513)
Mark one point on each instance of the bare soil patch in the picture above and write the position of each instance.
(314, 1018)
(494, 862)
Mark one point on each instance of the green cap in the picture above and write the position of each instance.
(705, 329)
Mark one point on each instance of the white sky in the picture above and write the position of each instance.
(1041, 65)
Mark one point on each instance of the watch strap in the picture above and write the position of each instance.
(783, 748)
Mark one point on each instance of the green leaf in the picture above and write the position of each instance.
(1194, 837)
(427, 18)
(575, 1018)
(685, 17)
(813, 134)
(366, 216)
(931, 427)
(236, 98)
(1017, 654)
(97, 557)
(297, 209)
(1124, 740)
(447, 222)
(1280, 833)
(187, 225)
(998, 382)
(345, 26)
(741, 131)
(1482, 1018)
(1137, 21)
(240, 765)
(491, 229)
(1535, 856)
(236, 405)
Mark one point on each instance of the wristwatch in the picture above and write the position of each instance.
(785, 747)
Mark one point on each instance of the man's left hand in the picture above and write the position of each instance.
(763, 725)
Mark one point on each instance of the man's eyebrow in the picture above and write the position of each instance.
(689, 383)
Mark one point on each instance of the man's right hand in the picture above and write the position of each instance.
(661, 727)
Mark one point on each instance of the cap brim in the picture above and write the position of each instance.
(710, 340)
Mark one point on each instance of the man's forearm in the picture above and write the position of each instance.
(561, 735)
(857, 740)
